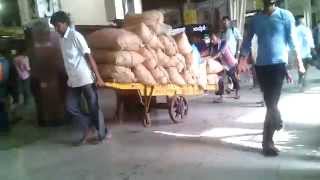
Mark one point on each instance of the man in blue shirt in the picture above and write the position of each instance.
(4, 74)
(306, 47)
(275, 30)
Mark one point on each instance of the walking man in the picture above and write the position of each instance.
(232, 35)
(275, 30)
(306, 47)
(83, 77)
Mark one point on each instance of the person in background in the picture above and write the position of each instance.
(22, 65)
(232, 35)
(221, 52)
(306, 47)
(83, 78)
(197, 40)
(316, 36)
(276, 31)
(4, 77)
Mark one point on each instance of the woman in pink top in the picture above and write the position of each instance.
(222, 53)
(22, 64)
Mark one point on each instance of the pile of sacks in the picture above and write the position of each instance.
(143, 51)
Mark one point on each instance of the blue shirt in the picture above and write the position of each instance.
(275, 34)
(305, 41)
(5, 70)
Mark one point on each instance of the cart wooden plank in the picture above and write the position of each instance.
(162, 90)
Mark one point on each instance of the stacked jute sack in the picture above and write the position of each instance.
(143, 52)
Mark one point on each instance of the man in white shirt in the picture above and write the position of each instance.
(83, 77)
(306, 47)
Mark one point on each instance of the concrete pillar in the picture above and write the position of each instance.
(286, 5)
(25, 11)
(308, 12)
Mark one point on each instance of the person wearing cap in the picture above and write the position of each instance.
(276, 31)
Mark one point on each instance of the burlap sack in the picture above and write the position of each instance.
(151, 59)
(213, 66)
(115, 39)
(213, 78)
(202, 80)
(160, 75)
(165, 29)
(178, 62)
(120, 58)
(163, 59)
(153, 19)
(175, 76)
(189, 77)
(170, 46)
(189, 59)
(183, 43)
(118, 74)
(147, 36)
(143, 75)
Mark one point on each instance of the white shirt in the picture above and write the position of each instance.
(305, 41)
(232, 36)
(74, 47)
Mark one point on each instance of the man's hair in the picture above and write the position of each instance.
(299, 19)
(216, 33)
(60, 17)
(226, 18)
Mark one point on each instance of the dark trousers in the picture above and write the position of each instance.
(232, 74)
(85, 120)
(25, 89)
(271, 79)
(302, 76)
(4, 119)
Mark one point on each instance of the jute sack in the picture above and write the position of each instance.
(182, 62)
(165, 29)
(213, 78)
(163, 59)
(120, 58)
(118, 74)
(178, 62)
(213, 66)
(160, 75)
(202, 80)
(153, 19)
(175, 76)
(147, 36)
(189, 77)
(143, 75)
(151, 59)
(189, 59)
(115, 39)
(170, 46)
(183, 43)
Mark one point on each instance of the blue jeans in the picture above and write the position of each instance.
(94, 117)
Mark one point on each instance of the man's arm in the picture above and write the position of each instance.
(311, 42)
(245, 48)
(239, 42)
(85, 50)
(292, 40)
(94, 68)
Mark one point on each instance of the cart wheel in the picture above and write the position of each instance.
(147, 120)
(178, 108)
